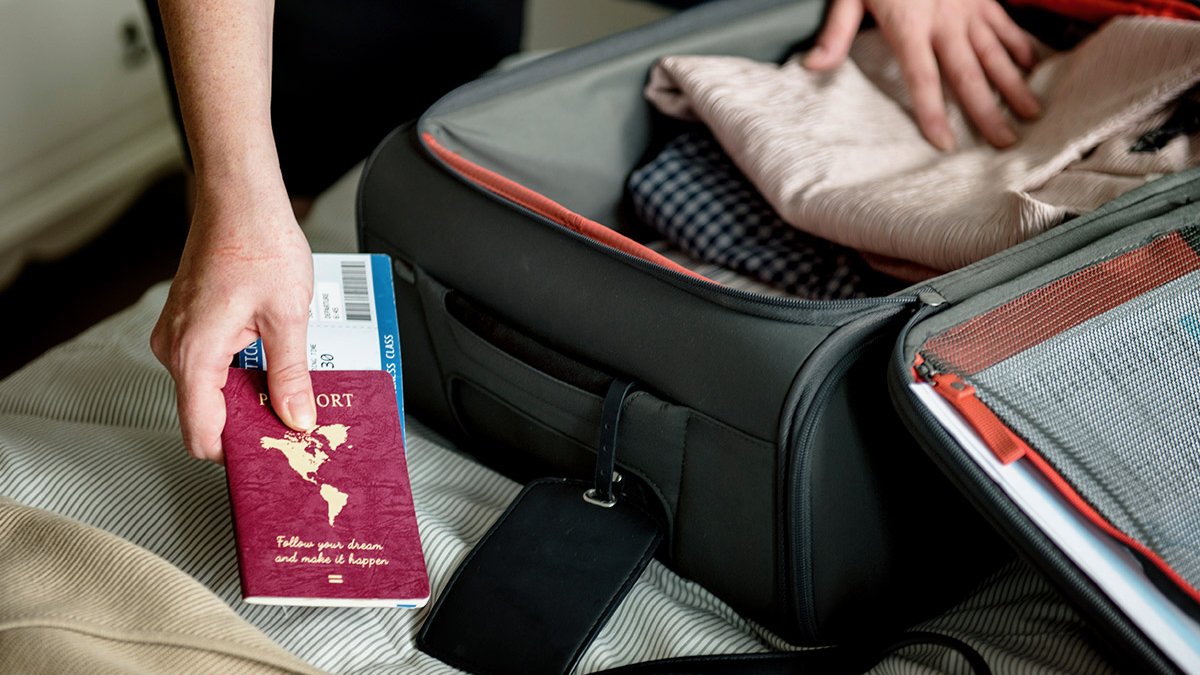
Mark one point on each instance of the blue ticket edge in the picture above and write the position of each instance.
(250, 358)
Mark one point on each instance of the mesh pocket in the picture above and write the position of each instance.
(1098, 374)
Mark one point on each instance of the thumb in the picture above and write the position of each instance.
(833, 44)
(288, 381)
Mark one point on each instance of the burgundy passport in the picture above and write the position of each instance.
(326, 517)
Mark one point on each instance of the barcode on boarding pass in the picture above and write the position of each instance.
(355, 290)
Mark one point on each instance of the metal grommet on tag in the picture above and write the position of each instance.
(591, 496)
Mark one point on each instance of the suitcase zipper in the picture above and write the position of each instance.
(923, 297)
(802, 597)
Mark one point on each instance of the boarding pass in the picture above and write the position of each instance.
(351, 320)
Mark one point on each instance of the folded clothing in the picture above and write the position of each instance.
(838, 154)
(694, 196)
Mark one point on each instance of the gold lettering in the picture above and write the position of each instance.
(368, 562)
(262, 398)
(329, 400)
(292, 542)
(357, 545)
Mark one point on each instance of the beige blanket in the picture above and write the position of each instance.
(77, 599)
(840, 156)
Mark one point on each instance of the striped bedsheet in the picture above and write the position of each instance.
(89, 431)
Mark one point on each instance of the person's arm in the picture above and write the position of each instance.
(972, 43)
(246, 270)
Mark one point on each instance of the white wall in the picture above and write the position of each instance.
(84, 122)
(553, 24)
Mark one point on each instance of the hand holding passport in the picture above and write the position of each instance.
(326, 517)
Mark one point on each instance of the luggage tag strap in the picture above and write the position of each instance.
(536, 590)
(602, 493)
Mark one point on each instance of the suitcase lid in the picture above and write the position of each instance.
(1061, 400)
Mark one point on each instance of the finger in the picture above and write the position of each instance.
(1003, 73)
(288, 382)
(920, 69)
(1015, 40)
(974, 93)
(200, 374)
(833, 44)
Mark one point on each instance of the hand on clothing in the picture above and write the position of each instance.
(246, 272)
(972, 43)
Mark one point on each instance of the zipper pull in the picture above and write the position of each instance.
(922, 371)
(952, 387)
(1003, 442)
(930, 297)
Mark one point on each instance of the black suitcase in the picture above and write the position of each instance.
(763, 429)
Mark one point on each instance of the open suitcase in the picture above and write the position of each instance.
(772, 434)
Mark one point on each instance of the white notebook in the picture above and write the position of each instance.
(1109, 564)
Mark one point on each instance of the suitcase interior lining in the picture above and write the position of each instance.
(511, 144)
(575, 137)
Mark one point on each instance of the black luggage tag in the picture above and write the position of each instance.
(535, 591)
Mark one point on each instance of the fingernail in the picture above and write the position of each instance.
(300, 407)
(1006, 137)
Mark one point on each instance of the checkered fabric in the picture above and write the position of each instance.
(699, 201)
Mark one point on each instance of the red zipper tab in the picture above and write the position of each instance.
(1006, 445)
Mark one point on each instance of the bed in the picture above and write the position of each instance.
(117, 552)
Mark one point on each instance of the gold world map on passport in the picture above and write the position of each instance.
(306, 453)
